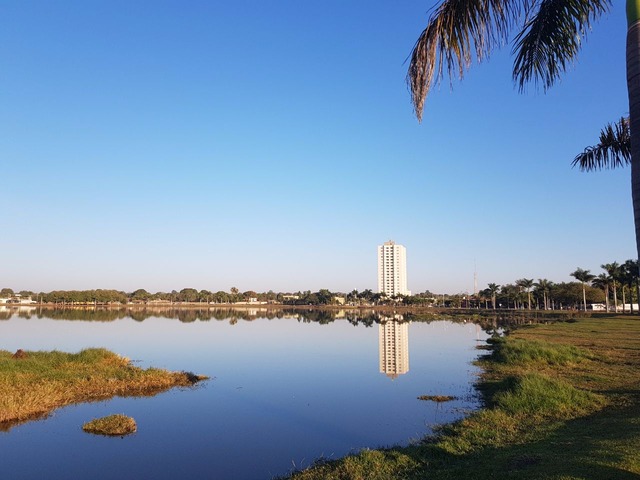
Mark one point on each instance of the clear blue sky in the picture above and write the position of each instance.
(272, 145)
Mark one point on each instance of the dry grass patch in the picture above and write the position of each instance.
(113, 425)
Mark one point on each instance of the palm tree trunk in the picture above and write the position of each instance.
(633, 89)
(584, 296)
(624, 301)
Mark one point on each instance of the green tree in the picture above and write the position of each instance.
(324, 296)
(629, 279)
(204, 296)
(603, 281)
(6, 293)
(511, 293)
(543, 286)
(526, 284)
(188, 295)
(614, 272)
(548, 37)
(612, 151)
(140, 295)
(493, 290)
(584, 277)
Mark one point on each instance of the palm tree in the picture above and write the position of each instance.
(613, 270)
(512, 292)
(629, 277)
(633, 267)
(526, 283)
(613, 150)
(548, 39)
(583, 276)
(493, 290)
(603, 281)
(544, 286)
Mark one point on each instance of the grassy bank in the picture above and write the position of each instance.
(32, 384)
(562, 401)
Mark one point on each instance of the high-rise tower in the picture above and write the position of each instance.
(392, 269)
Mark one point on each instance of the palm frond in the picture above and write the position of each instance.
(458, 31)
(613, 150)
(551, 39)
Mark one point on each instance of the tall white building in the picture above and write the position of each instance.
(392, 269)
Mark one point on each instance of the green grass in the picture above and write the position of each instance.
(562, 401)
(39, 382)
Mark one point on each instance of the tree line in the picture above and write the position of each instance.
(618, 284)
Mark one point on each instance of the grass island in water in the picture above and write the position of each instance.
(32, 384)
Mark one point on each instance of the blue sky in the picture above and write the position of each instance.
(272, 145)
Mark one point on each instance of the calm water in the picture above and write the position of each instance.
(283, 392)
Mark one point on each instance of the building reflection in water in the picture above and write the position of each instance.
(393, 341)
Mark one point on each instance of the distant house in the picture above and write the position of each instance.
(597, 307)
(339, 300)
(18, 299)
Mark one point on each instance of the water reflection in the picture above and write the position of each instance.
(489, 321)
(393, 340)
(282, 392)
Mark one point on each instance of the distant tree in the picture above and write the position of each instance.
(6, 293)
(493, 290)
(629, 279)
(543, 286)
(603, 281)
(510, 293)
(188, 295)
(221, 297)
(526, 284)
(324, 296)
(583, 276)
(366, 295)
(140, 295)
(204, 296)
(248, 295)
(614, 272)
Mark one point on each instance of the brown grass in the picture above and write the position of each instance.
(113, 425)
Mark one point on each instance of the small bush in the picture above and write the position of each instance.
(113, 425)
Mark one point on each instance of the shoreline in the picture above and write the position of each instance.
(560, 400)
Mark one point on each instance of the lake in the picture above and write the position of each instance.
(286, 388)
